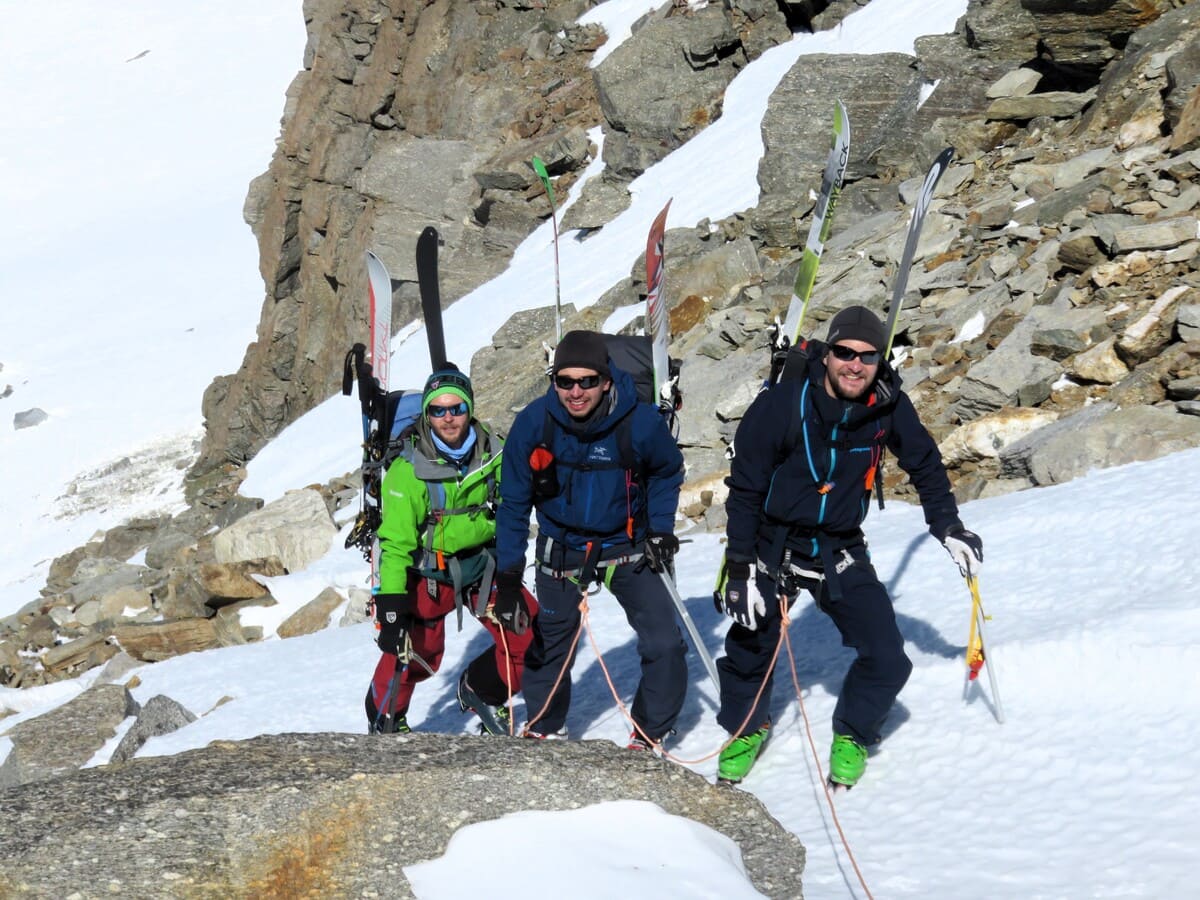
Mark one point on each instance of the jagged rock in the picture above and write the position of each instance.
(1187, 321)
(1085, 36)
(296, 529)
(1100, 364)
(65, 738)
(170, 546)
(127, 539)
(1139, 77)
(314, 815)
(715, 277)
(234, 581)
(1002, 30)
(159, 715)
(882, 90)
(1017, 83)
(312, 616)
(83, 653)
(1142, 386)
(697, 55)
(1098, 436)
(1184, 388)
(180, 595)
(1156, 235)
(396, 110)
(1053, 104)
(1061, 333)
(987, 436)
(1009, 376)
(111, 576)
(1153, 331)
(601, 201)
(29, 418)
(151, 642)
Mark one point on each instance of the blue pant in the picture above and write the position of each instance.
(651, 614)
(867, 622)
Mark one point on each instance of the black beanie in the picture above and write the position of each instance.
(857, 323)
(582, 350)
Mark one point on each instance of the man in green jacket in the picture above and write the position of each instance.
(436, 544)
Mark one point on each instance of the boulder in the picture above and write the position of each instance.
(315, 814)
(296, 529)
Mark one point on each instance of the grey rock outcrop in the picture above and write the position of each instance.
(316, 815)
(296, 529)
(159, 715)
(65, 738)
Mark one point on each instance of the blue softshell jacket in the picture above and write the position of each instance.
(594, 501)
(802, 462)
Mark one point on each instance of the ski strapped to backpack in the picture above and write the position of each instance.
(373, 397)
(787, 335)
(657, 327)
(924, 198)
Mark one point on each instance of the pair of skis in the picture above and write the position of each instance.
(787, 335)
(657, 324)
(378, 407)
(372, 373)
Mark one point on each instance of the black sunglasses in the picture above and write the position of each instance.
(587, 382)
(845, 354)
(458, 409)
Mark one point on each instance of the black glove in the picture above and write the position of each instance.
(394, 614)
(658, 552)
(734, 598)
(510, 608)
(965, 548)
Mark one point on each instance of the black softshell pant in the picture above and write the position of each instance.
(867, 622)
(650, 613)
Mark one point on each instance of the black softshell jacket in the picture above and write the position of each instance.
(804, 463)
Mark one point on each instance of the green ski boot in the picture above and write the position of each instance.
(847, 761)
(738, 758)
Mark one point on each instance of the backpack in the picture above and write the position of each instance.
(634, 354)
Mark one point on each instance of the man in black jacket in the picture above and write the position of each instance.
(807, 456)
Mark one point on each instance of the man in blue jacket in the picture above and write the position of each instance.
(603, 473)
(807, 456)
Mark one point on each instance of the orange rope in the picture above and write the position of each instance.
(566, 662)
(507, 676)
(816, 756)
(658, 745)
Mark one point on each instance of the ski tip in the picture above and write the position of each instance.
(429, 233)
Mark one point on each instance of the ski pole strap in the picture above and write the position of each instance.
(485, 586)
(355, 358)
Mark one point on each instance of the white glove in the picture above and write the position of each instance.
(966, 549)
(737, 599)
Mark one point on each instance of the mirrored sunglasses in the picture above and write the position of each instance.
(458, 409)
(845, 354)
(587, 382)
